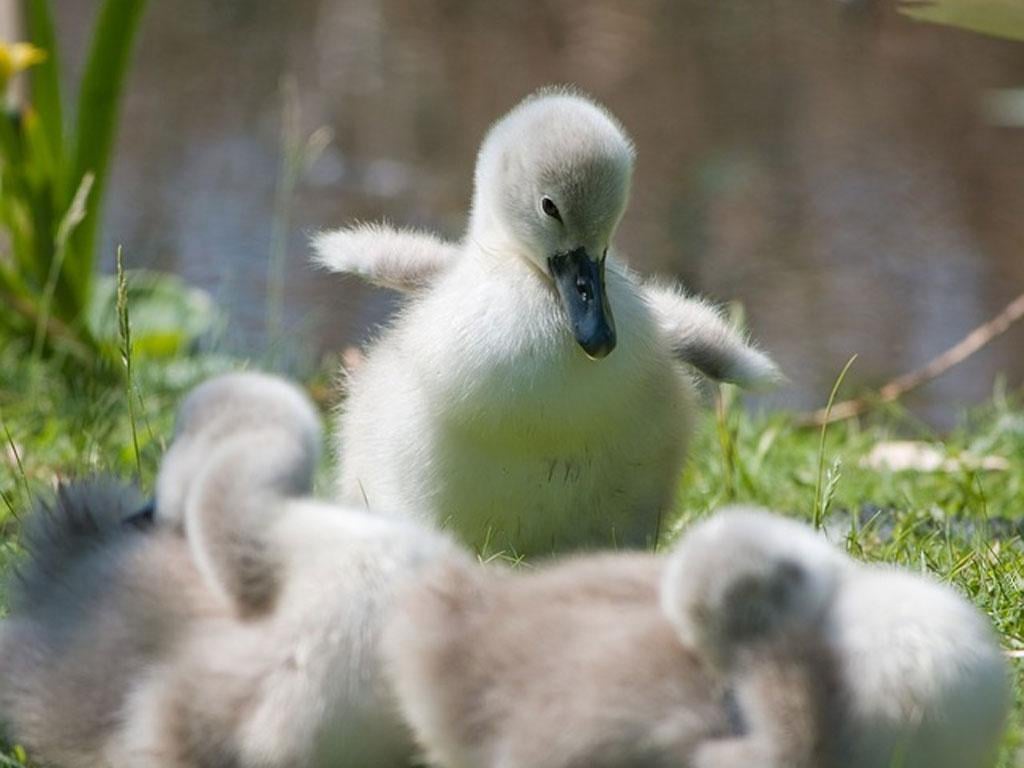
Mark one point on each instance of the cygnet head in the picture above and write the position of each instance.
(227, 406)
(552, 182)
(745, 576)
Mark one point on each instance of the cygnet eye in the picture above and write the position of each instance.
(548, 206)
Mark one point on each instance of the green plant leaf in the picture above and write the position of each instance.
(998, 18)
(99, 102)
(167, 314)
(46, 78)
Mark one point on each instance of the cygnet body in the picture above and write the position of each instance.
(530, 396)
(243, 632)
(572, 664)
(833, 662)
(755, 643)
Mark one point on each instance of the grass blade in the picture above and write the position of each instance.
(124, 327)
(726, 441)
(72, 218)
(13, 448)
(98, 107)
(298, 153)
(819, 507)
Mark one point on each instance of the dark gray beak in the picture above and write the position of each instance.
(580, 282)
(143, 517)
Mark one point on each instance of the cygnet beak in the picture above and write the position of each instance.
(579, 279)
(142, 517)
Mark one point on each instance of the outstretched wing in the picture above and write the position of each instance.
(702, 337)
(404, 260)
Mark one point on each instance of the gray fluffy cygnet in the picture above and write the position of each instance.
(239, 629)
(755, 643)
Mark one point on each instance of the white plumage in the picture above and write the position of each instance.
(533, 395)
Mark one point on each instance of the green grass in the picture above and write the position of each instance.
(965, 527)
(960, 526)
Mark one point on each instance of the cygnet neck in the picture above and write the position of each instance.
(492, 240)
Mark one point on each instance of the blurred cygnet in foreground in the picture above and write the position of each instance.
(755, 643)
(834, 662)
(573, 664)
(250, 639)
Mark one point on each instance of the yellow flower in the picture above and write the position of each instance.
(17, 57)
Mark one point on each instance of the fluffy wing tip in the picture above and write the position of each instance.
(757, 372)
(330, 250)
(323, 252)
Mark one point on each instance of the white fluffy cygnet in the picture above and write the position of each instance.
(834, 663)
(246, 636)
(534, 395)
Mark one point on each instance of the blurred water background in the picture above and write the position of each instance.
(828, 164)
